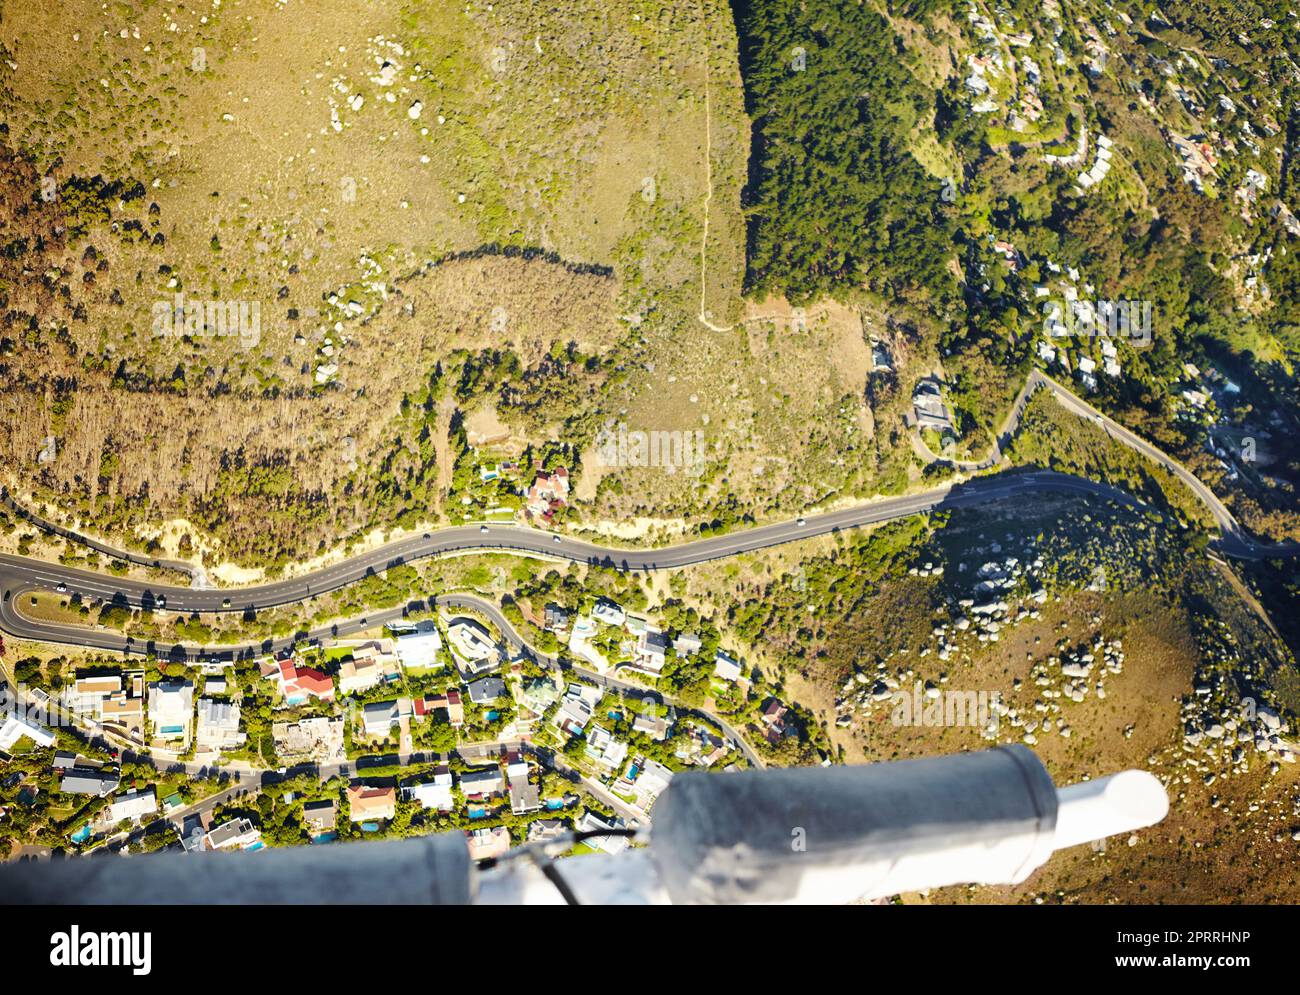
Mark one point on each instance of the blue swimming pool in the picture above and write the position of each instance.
(370, 827)
(82, 834)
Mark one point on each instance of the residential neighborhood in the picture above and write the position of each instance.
(424, 725)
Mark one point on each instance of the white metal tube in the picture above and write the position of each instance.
(1120, 803)
(1088, 811)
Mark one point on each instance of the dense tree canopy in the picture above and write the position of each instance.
(836, 198)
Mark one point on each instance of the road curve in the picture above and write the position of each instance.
(1235, 542)
(19, 574)
(45, 525)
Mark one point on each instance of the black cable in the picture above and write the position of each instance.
(552, 873)
(553, 876)
(586, 834)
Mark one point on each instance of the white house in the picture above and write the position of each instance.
(608, 613)
(687, 643)
(132, 805)
(610, 844)
(604, 748)
(379, 717)
(237, 834)
(651, 782)
(16, 728)
(433, 794)
(218, 727)
(651, 650)
(472, 645)
(725, 667)
(419, 648)
(572, 717)
(171, 709)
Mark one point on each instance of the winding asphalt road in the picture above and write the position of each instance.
(1235, 540)
(20, 575)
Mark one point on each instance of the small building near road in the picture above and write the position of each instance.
(485, 690)
(482, 783)
(435, 794)
(80, 781)
(320, 817)
(218, 727)
(237, 834)
(367, 804)
(131, 806)
(418, 648)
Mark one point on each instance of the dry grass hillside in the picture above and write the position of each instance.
(529, 218)
(380, 186)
